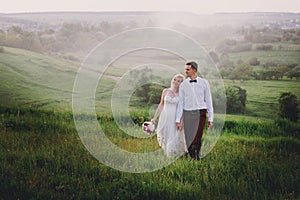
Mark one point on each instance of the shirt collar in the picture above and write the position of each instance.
(191, 79)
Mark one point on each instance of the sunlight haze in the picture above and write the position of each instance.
(195, 6)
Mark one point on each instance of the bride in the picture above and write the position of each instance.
(170, 139)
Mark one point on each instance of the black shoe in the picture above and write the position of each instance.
(191, 151)
(197, 153)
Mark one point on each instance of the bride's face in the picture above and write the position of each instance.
(177, 81)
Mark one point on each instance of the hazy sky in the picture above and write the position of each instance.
(196, 6)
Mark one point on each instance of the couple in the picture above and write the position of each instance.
(182, 109)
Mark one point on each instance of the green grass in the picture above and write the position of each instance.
(281, 57)
(41, 81)
(35, 79)
(42, 157)
(262, 96)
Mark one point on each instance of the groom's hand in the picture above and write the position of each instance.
(210, 125)
(179, 126)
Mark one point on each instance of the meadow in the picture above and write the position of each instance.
(262, 96)
(280, 57)
(42, 156)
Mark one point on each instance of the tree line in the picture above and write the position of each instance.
(244, 70)
(252, 38)
(69, 37)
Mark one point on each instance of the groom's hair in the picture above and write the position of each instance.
(193, 65)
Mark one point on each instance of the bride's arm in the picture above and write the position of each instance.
(160, 106)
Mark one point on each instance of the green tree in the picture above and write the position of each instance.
(294, 73)
(264, 47)
(147, 92)
(243, 71)
(288, 106)
(155, 93)
(283, 69)
(236, 99)
(254, 61)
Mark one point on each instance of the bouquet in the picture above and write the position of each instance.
(148, 127)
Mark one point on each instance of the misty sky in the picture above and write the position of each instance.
(196, 6)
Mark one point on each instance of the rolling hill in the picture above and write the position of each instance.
(34, 79)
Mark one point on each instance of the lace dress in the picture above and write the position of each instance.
(169, 137)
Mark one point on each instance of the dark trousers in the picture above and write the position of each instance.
(194, 122)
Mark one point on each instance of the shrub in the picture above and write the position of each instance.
(294, 73)
(288, 106)
(270, 64)
(264, 47)
(236, 99)
(254, 61)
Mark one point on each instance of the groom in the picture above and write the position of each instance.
(195, 102)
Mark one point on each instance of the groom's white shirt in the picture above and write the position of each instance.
(194, 96)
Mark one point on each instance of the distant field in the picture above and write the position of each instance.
(262, 96)
(29, 78)
(38, 80)
(281, 57)
(33, 79)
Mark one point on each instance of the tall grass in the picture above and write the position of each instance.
(42, 157)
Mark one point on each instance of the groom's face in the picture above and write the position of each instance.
(189, 71)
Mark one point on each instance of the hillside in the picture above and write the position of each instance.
(34, 79)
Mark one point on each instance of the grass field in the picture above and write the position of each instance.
(280, 57)
(37, 80)
(42, 157)
(262, 96)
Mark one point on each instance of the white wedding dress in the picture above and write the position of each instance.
(171, 140)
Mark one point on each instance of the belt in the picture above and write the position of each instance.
(195, 111)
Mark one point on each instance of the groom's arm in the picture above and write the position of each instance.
(209, 104)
